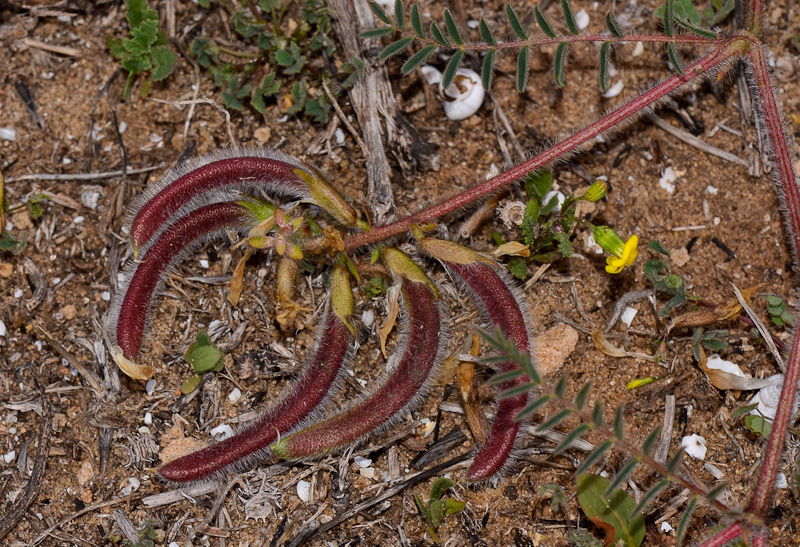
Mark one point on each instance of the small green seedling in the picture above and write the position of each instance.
(776, 307)
(147, 537)
(204, 357)
(754, 422)
(376, 286)
(437, 508)
(146, 50)
(32, 204)
(711, 340)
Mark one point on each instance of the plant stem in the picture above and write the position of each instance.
(722, 538)
(754, 17)
(790, 198)
(725, 51)
(581, 38)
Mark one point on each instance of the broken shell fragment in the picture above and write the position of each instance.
(464, 96)
(695, 446)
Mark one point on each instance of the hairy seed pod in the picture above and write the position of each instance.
(415, 365)
(318, 383)
(226, 172)
(505, 311)
(130, 307)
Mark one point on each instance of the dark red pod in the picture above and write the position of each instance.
(414, 367)
(505, 310)
(225, 172)
(317, 383)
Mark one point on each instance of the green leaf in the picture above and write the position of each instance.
(518, 268)
(190, 384)
(9, 243)
(649, 496)
(421, 507)
(594, 457)
(439, 36)
(395, 47)
(203, 355)
(613, 25)
(487, 70)
(554, 420)
(610, 512)
(675, 462)
(146, 34)
(439, 487)
(741, 411)
(522, 68)
(436, 510)
(544, 24)
(569, 17)
(572, 436)
(503, 376)
(658, 247)
(486, 33)
(513, 20)
(377, 32)
(605, 54)
(560, 389)
(269, 86)
(451, 506)
(379, 13)
(686, 518)
(583, 394)
(758, 425)
(538, 183)
(597, 414)
(622, 476)
(517, 390)
(650, 441)
(416, 22)
(418, 58)
(674, 58)
(452, 28)
(669, 18)
(116, 48)
(694, 29)
(399, 14)
(450, 70)
(164, 60)
(619, 423)
(532, 407)
(559, 64)
(529, 220)
(564, 244)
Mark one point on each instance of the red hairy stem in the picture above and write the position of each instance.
(788, 189)
(505, 312)
(128, 314)
(724, 51)
(238, 169)
(724, 537)
(407, 383)
(322, 371)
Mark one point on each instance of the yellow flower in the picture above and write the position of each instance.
(626, 258)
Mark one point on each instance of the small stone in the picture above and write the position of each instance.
(68, 312)
(148, 418)
(680, 257)
(222, 432)
(368, 317)
(235, 395)
(86, 496)
(304, 490)
(130, 486)
(628, 315)
(8, 457)
(362, 461)
(553, 347)
(2, 328)
(665, 527)
(8, 133)
(85, 473)
(262, 135)
(781, 482)
(367, 472)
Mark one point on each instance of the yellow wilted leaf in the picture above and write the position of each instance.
(600, 342)
(699, 318)
(237, 279)
(392, 309)
(512, 248)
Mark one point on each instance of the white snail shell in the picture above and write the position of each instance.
(464, 96)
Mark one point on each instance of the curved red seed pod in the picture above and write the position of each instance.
(227, 171)
(129, 310)
(407, 384)
(322, 371)
(504, 311)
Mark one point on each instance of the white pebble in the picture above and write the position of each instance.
(695, 446)
(367, 472)
(8, 457)
(614, 90)
(304, 490)
(781, 482)
(90, 199)
(150, 386)
(667, 180)
(638, 49)
(712, 190)
(362, 461)
(130, 485)
(473, 24)
(665, 527)
(715, 471)
(203, 263)
(148, 418)
(235, 395)
(122, 127)
(106, 296)
(66, 160)
(78, 219)
(18, 293)
(143, 430)
(628, 315)
(2, 328)
(368, 317)
(339, 136)
(222, 432)
(155, 137)
(582, 19)
(56, 280)
(8, 133)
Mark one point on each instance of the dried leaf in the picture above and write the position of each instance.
(721, 379)
(392, 309)
(512, 248)
(237, 279)
(601, 343)
(699, 318)
(132, 369)
(468, 390)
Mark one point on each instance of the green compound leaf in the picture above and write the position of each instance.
(416, 21)
(650, 442)
(450, 70)
(605, 54)
(486, 33)
(399, 14)
(622, 476)
(517, 390)
(560, 63)
(544, 24)
(597, 414)
(695, 29)
(610, 512)
(487, 70)
(613, 25)
(686, 518)
(649, 496)
(377, 32)
(619, 423)
(379, 13)
(164, 60)
(522, 68)
(556, 419)
(593, 458)
(674, 58)
(569, 17)
(395, 47)
(529, 222)
(583, 394)
(571, 437)
(439, 36)
(452, 28)
(669, 18)
(658, 247)
(418, 58)
(532, 408)
(513, 20)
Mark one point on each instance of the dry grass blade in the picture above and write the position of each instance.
(740, 296)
